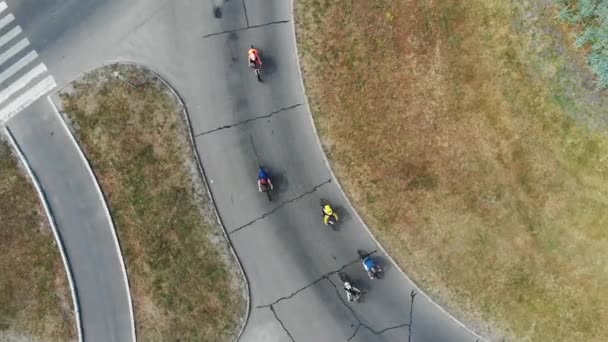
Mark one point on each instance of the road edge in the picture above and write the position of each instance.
(349, 203)
(203, 175)
(51, 220)
(105, 209)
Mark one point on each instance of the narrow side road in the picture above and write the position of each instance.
(82, 221)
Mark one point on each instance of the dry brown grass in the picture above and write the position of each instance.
(185, 286)
(35, 300)
(460, 131)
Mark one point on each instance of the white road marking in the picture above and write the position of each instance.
(13, 50)
(10, 71)
(22, 82)
(10, 35)
(6, 20)
(27, 98)
(21, 96)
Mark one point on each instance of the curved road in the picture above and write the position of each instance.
(289, 257)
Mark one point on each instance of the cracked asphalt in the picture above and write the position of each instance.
(290, 258)
(264, 215)
(246, 28)
(249, 120)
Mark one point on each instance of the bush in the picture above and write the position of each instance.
(591, 18)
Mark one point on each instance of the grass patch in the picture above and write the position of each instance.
(471, 138)
(588, 19)
(35, 299)
(185, 285)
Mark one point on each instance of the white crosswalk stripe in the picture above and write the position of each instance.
(10, 71)
(23, 78)
(22, 82)
(7, 19)
(28, 97)
(13, 50)
(7, 37)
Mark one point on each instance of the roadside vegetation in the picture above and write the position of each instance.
(35, 298)
(589, 19)
(472, 139)
(184, 282)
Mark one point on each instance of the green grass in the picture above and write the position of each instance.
(470, 137)
(35, 300)
(588, 19)
(186, 286)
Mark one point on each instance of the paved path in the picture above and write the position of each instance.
(289, 257)
(81, 219)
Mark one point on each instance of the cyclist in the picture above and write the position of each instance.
(254, 58)
(328, 213)
(264, 183)
(372, 267)
(352, 293)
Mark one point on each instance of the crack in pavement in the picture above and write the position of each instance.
(376, 332)
(279, 207)
(324, 276)
(327, 276)
(354, 332)
(281, 323)
(391, 328)
(352, 311)
(361, 324)
(409, 330)
(249, 120)
(245, 10)
(245, 28)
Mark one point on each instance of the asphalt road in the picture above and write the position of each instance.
(289, 257)
(81, 220)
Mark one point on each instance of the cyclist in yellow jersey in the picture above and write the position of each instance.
(328, 213)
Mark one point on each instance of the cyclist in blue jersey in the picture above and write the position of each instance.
(264, 183)
(373, 268)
